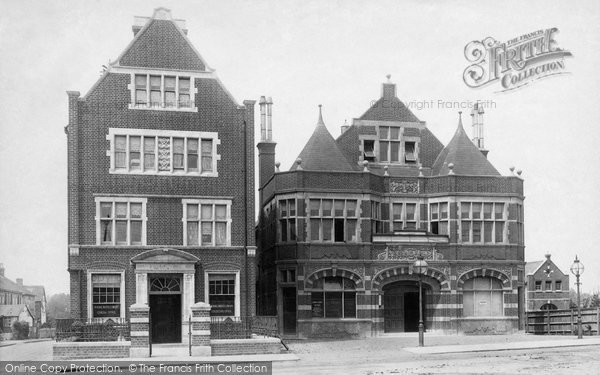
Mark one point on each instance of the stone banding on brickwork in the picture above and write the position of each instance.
(407, 270)
(483, 272)
(332, 272)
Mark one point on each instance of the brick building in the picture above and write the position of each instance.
(338, 233)
(546, 285)
(160, 186)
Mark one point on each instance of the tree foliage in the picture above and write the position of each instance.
(59, 307)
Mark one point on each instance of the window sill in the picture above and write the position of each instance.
(144, 107)
(163, 173)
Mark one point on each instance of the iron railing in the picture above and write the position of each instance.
(243, 327)
(113, 329)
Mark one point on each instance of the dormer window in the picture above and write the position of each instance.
(161, 92)
(369, 150)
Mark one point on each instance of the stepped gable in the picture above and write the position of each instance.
(466, 157)
(321, 152)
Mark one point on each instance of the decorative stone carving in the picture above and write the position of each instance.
(164, 154)
(404, 187)
(396, 252)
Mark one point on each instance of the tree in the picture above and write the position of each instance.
(59, 307)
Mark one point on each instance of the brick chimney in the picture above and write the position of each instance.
(388, 90)
(266, 146)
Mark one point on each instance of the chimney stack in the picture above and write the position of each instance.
(266, 146)
(1, 269)
(19, 282)
(477, 125)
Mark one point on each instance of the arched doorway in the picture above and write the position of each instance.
(165, 308)
(401, 306)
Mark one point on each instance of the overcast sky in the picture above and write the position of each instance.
(305, 53)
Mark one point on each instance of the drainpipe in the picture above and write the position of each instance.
(246, 212)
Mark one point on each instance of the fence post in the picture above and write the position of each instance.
(598, 322)
(140, 330)
(201, 329)
(548, 316)
(572, 322)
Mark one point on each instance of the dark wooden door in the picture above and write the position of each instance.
(393, 310)
(289, 310)
(165, 310)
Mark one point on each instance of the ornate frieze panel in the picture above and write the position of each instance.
(397, 252)
(404, 187)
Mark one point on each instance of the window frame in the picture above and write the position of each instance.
(499, 291)
(128, 133)
(163, 104)
(213, 202)
(482, 222)
(237, 301)
(320, 218)
(90, 288)
(114, 200)
(288, 223)
(343, 291)
(439, 219)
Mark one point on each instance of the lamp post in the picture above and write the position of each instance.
(420, 266)
(577, 269)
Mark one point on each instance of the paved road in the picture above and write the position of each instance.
(39, 351)
(580, 361)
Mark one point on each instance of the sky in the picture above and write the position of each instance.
(302, 54)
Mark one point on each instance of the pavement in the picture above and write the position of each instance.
(567, 341)
(16, 342)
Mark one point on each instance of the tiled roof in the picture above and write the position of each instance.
(321, 152)
(12, 310)
(466, 157)
(430, 148)
(38, 290)
(389, 110)
(162, 44)
(9, 285)
(531, 267)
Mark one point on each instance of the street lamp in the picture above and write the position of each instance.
(577, 269)
(420, 266)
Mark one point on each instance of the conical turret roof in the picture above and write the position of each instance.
(466, 157)
(321, 152)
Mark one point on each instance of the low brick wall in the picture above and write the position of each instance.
(246, 346)
(82, 350)
(487, 325)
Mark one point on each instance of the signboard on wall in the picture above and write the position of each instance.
(222, 305)
(106, 310)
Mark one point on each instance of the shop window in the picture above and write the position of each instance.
(333, 297)
(222, 294)
(106, 295)
(483, 296)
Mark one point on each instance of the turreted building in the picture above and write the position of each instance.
(339, 231)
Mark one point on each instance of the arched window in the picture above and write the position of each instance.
(333, 297)
(482, 296)
(548, 306)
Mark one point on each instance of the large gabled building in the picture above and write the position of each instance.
(160, 187)
(339, 232)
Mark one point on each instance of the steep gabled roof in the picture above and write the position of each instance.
(389, 107)
(13, 310)
(466, 157)
(532, 267)
(38, 290)
(321, 152)
(10, 286)
(161, 43)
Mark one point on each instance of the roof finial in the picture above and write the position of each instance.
(389, 76)
(460, 119)
(320, 116)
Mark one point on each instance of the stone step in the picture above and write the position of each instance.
(170, 350)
